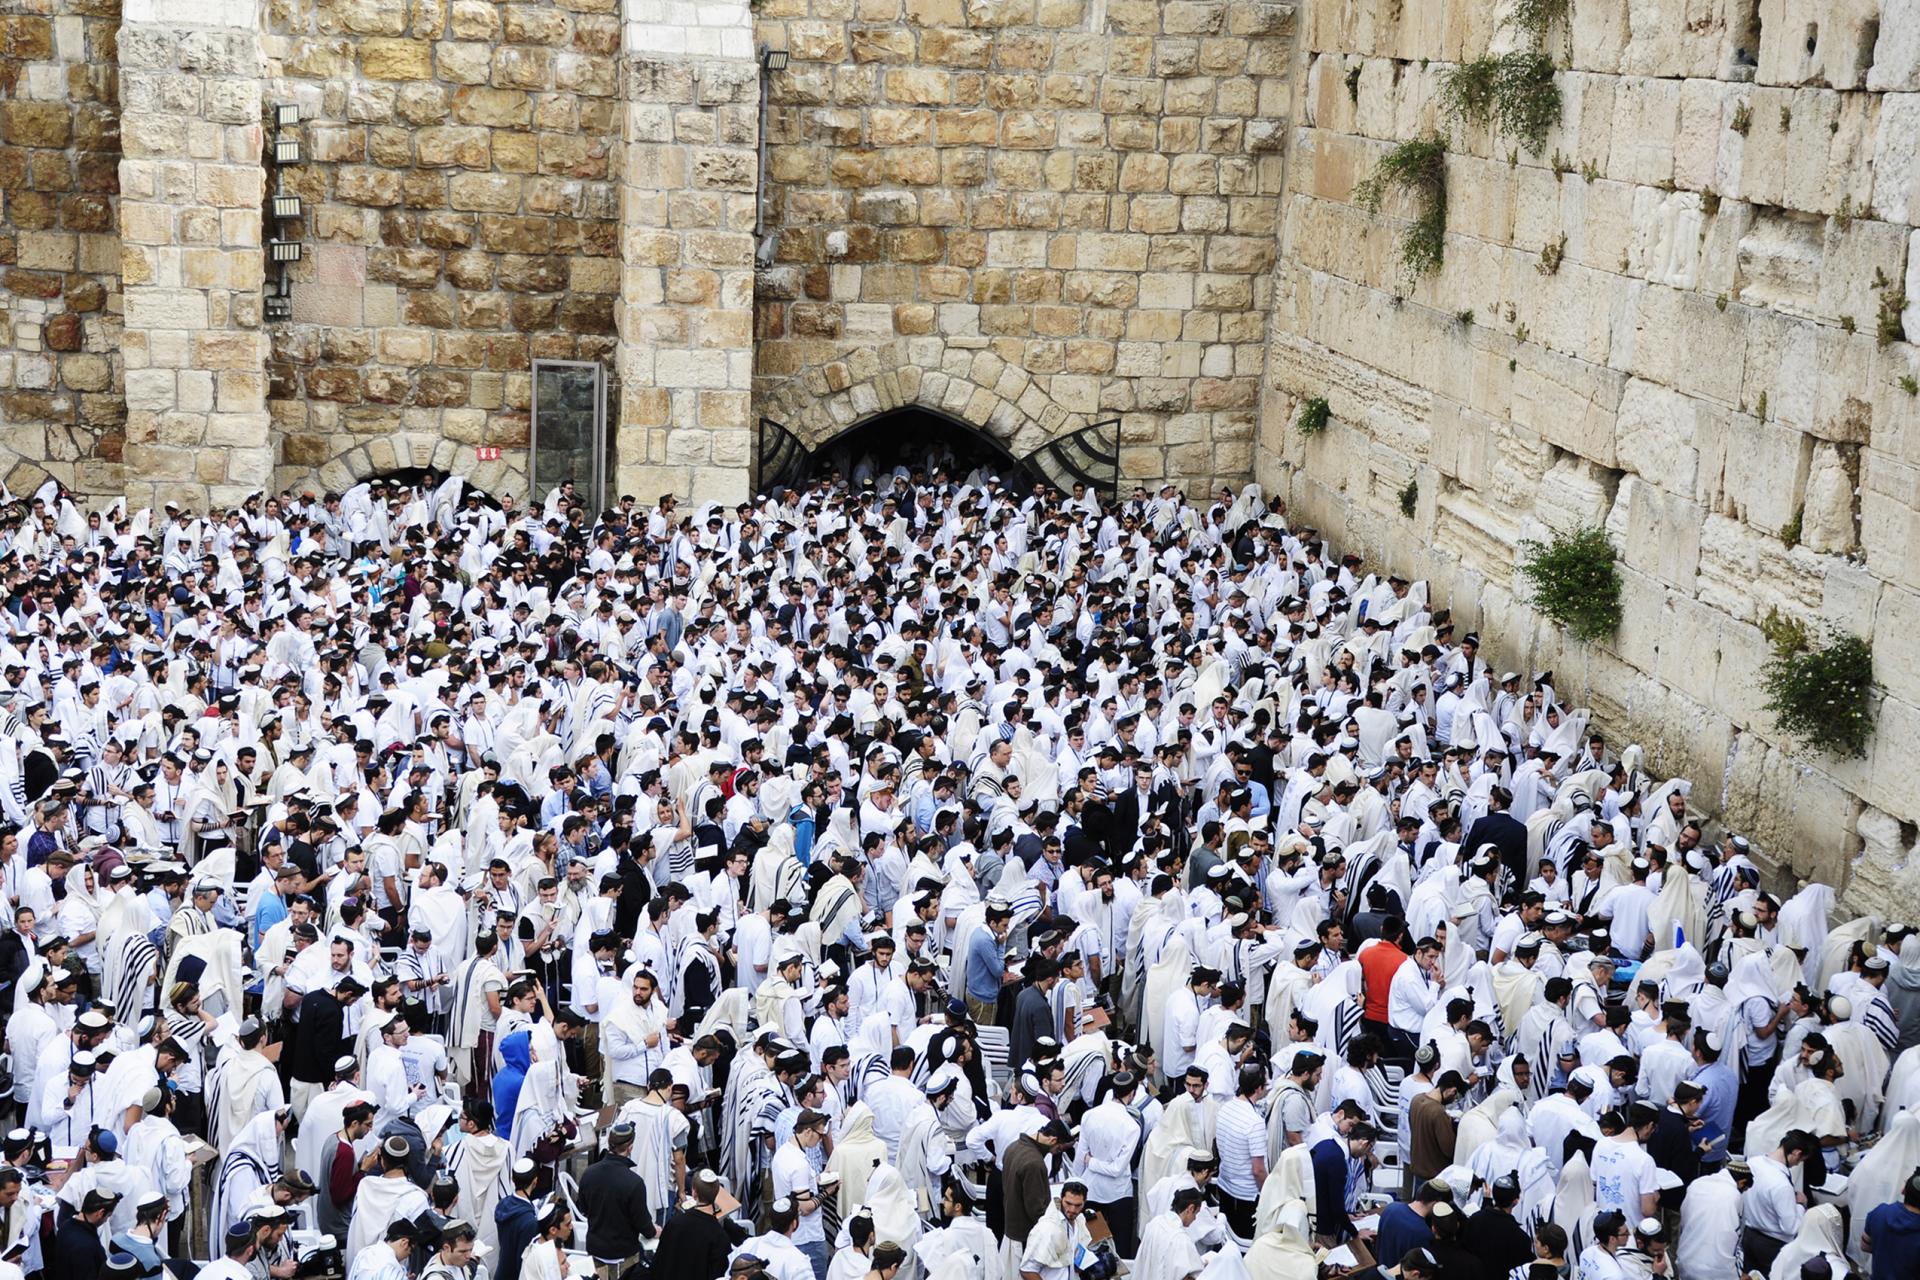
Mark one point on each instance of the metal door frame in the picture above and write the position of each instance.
(598, 482)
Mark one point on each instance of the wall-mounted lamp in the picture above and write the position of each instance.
(278, 302)
(286, 114)
(287, 208)
(278, 308)
(284, 250)
(286, 150)
(773, 59)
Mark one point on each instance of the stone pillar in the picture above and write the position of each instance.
(687, 196)
(192, 181)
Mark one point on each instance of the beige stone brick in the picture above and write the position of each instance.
(383, 58)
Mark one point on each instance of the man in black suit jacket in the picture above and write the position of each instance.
(1130, 810)
(1504, 832)
(319, 1038)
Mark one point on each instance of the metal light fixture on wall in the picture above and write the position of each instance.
(278, 302)
(773, 59)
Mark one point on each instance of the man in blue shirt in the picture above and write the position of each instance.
(1403, 1226)
(1711, 1073)
(1893, 1234)
(987, 965)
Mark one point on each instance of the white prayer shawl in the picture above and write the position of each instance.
(1881, 1174)
(854, 1156)
(1284, 1251)
(1820, 1236)
(1481, 1124)
(478, 1165)
(233, 1090)
(377, 1203)
(251, 1163)
(1166, 1253)
(548, 1095)
(1679, 914)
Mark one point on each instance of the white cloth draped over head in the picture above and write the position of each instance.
(896, 1217)
(1481, 1124)
(1820, 1236)
(251, 1163)
(548, 1095)
(1882, 1174)
(1284, 1251)
(855, 1154)
(1166, 1251)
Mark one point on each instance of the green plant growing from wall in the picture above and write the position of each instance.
(1353, 84)
(1574, 580)
(1515, 94)
(1791, 530)
(1417, 167)
(1742, 119)
(1822, 693)
(1409, 498)
(1314, 416)
(1551, 255)
(1536, 17)
(1889, 327)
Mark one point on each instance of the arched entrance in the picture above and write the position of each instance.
(919, 439)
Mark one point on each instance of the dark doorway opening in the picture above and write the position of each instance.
(917, 439)
(430, 479)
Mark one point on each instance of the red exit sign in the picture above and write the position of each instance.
(487, 453)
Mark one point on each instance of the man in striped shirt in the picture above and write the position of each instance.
(1240, 1139)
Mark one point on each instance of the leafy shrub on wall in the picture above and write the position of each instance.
(1575, 580)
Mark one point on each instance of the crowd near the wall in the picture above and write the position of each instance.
(904, 876)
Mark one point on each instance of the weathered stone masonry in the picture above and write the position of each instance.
(1701, 368)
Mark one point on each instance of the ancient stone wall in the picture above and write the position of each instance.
(461, 222)
(1031, 214)
(61, 404)
(1683, 317)
(691, 122)
(191, 184)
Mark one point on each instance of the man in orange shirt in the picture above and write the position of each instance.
(1379, 961)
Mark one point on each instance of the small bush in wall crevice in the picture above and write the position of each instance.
(1821, 693)
(1418, 167)
(1575, 581)
(1314, 416)
(1515, 93)
(1410, 498)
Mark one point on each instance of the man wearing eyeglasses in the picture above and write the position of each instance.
(1610, 1235)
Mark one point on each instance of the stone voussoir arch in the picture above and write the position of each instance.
(379, 455)
(1002, 401)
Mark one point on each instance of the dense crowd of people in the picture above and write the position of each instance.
(904, 875)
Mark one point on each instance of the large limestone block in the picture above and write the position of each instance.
(1646, 116)
(1654, 436)
(1896, 180)
(1569, 402)
(1673, 38)
(1896, 53)
(1830, 521)
(1890, 518)
(1861, 263)
(1817, 42)
(1669, 232)
(1885, 876)
(1766, 471)
(1895, 628)
(1799, 816)
(1657, 532)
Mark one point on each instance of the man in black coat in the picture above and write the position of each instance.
(1504, 832)
(319, 1038)
(1493, 1235)
(76, 1247)
(695, 1243)
(1033, 1010)
(614, 1198)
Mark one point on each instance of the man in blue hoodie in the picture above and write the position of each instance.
(517, 1053)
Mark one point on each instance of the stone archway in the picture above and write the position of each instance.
(380, 455)
(1001, 401)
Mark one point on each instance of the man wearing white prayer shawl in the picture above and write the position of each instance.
(1054, 1243)
(1166, 1250)
(1284, 1252)
(659, 1147)
(384, 1199)
(478, 1163)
